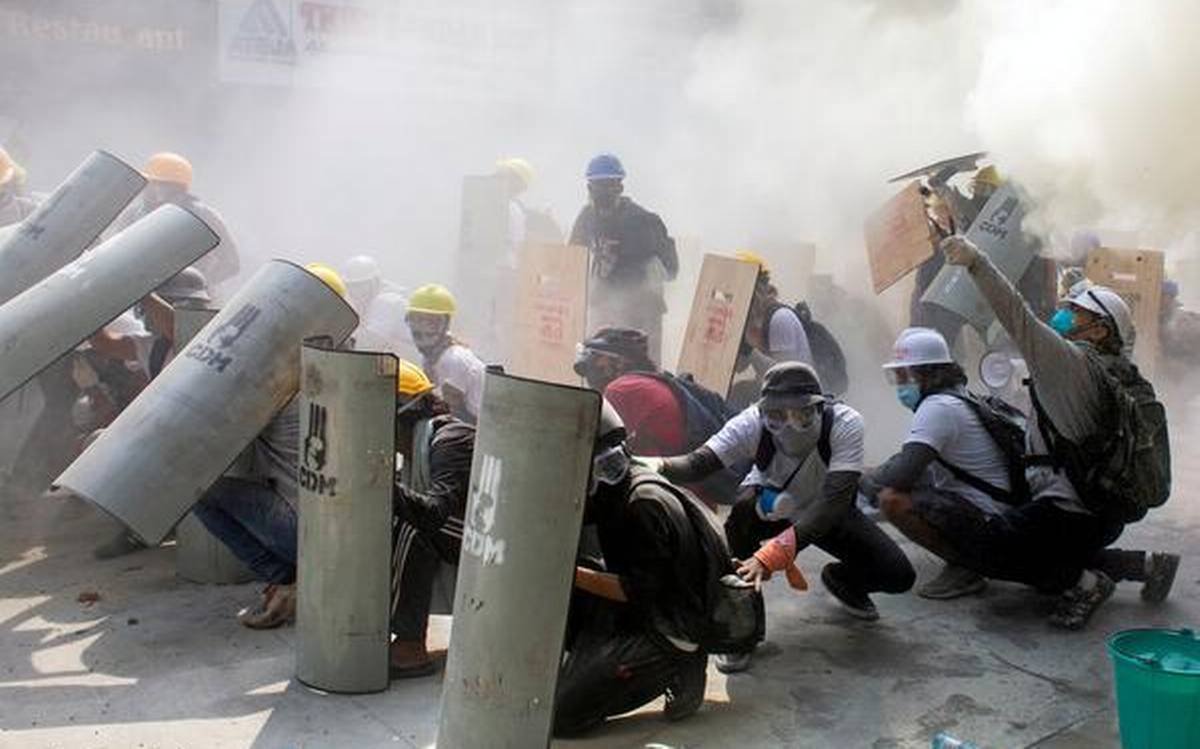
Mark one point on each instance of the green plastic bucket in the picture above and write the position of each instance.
(1158, 688)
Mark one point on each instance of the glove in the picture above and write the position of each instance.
(767, 497)
(654, 464)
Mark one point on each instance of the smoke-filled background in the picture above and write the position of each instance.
(325, 129)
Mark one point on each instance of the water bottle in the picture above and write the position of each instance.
(945, 741)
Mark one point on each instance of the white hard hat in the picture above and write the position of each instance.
(917, 347)
(1105, 302)
(360, 268)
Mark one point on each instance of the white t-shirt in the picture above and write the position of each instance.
(951, 428)
(786, 337)
(737, 442)
(462, 370)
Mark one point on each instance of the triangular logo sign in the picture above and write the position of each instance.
(263, 35)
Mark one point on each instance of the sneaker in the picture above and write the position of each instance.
(118, 546)
(856, 603)
(685, 695)
(732, 663)
(953, 582)
(1160, 577)
(1076, 606)
(278, 607)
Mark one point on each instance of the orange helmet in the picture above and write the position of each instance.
(169, 167)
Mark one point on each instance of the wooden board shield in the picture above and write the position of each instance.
(717, 321)
(898, 237)
(550, 311)
(1137, 276)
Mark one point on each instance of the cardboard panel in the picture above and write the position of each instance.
(717, 321)
(1137, 276)
(898, 238)
(550, 311)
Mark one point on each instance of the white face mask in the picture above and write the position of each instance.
(794, 441)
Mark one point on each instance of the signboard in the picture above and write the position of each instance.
(550, 312)
(717, 321)
(898, 237)
(996, 231)
(1137, 276)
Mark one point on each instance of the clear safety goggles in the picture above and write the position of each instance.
(610, 466)
(899, 375)
(798, 418)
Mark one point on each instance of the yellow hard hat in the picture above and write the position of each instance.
(411, 380)
(433, 299)
(988, 175)
(328, 276)
(8, 167)
(518, 166)
(169, 167)
(750, 256)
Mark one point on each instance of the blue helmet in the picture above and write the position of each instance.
(605, 166)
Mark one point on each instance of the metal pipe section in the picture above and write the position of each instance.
(56, 314)
(163, 452)
(343, 574)
(199, 556)
(533, 456)
(67, 222)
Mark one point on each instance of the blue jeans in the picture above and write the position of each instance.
(256, 523)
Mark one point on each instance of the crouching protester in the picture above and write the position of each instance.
(643, 622)
(1098, 452)
(429, 502)
(807, 452)
(951, 476)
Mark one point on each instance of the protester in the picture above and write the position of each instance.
(455, 370)
(772, 328)
(625, 241)
(1089, 401)
(808, 457)
(636, 623)
(169, 178)
(428, 505)
(950, 470)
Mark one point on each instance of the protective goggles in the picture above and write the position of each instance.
(899, 375)
(799, 418)
(609, 466)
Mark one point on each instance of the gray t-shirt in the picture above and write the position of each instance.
(953, 430)
(275, 452)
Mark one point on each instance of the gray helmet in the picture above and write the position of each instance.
(186, 286)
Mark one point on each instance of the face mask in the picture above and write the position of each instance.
(794, 441)
(609, 468)
(426, 341)
(909, 395)
(1063, 321)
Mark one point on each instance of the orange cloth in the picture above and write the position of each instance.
(779, 555)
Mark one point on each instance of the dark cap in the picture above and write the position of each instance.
(628, 343)
(791, 385)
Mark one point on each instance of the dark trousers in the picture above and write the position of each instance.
(1044, 546)
(416, 558)
(609, 668)
(867, 557)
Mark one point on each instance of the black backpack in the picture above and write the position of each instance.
(704, 414)
(828, 358)
(1124, 469)
(734, 616)
(1005, 424)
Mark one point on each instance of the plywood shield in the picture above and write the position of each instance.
(550, 312)
(898, 237)
(717, 321)
(1137, 276)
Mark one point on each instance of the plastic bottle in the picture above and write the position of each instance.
(945, 741)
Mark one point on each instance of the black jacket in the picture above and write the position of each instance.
(623, 243)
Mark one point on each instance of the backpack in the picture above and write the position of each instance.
(828, 358)
(1005, 424)
(1124, 469)
(734, 619)
(704, 411)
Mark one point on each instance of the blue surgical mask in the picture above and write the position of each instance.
(1062, 321)
(909, 395)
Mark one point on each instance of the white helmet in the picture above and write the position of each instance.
(360, 269)
(1103, 301)
(917, 347)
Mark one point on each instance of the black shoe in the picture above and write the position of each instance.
(856, 603)
(685, 695)
(1161, 576)
(1077, 605)
(733, 663)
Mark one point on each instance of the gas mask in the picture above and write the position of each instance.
(795, 431)
(609, 467)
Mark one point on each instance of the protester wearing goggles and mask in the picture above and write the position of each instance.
(950, 476)
(1088, 398)
(808, 456)
(454, 369)
(633, 630)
